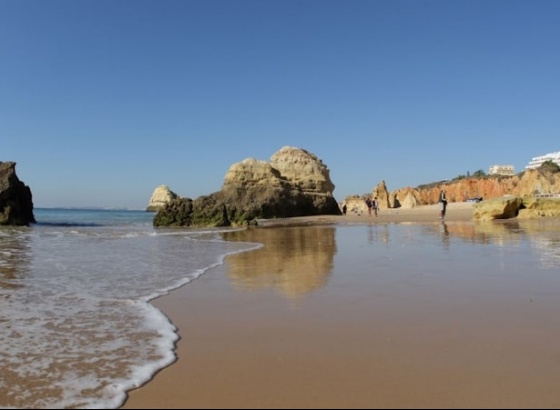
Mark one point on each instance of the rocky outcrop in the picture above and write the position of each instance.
(205, 211)
(294, 183)
(409, 201)
(539, 208)
(380, 191)
(161, 196)
(16, 201)
(510, 206)
(356, 204)
(497, 208)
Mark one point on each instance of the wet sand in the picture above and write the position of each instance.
(277, 328)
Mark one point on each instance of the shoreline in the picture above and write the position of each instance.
(222, 361)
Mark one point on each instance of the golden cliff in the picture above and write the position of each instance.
(528, 183)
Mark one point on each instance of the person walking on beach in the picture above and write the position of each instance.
(442, 203)
(375, 206)
(369, 204)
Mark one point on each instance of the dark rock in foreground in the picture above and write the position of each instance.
(16, 202)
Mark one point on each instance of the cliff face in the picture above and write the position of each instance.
(16, 205)
(530, 182)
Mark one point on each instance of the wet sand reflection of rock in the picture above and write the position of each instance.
(294, 260)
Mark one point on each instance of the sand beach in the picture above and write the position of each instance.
(327, 314)
(456, 211)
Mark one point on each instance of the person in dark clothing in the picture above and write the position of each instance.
(369, 204)
(442, 203)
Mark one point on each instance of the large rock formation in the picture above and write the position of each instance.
(16, 201)
(294, 183)
(162, 196)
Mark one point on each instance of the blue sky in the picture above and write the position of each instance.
(102, 101)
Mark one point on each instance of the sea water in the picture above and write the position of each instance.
(76, 326)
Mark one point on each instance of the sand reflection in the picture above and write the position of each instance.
(542, 234)
(294, 260)
(297, 260)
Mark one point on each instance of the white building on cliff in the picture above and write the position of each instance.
(536, 162)
(502, 170)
